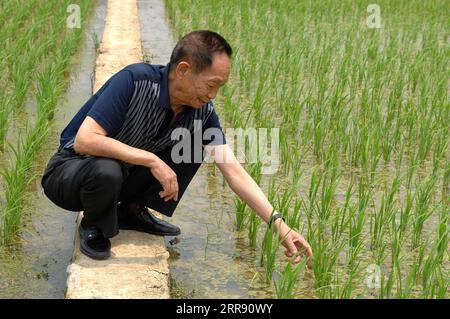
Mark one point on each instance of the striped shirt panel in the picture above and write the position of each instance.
(144, 119)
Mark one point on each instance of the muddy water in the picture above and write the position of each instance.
(36, 266)
(209, 259)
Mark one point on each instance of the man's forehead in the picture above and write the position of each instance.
(219, 80)
(218, 72)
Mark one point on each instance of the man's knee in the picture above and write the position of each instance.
(106, 171)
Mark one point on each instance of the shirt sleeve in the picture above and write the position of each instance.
(212, 131)
(110, 108)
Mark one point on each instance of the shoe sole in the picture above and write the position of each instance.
(94, 256)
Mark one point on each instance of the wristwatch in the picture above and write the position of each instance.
(276, 215)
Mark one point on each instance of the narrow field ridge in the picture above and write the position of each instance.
(138, 267)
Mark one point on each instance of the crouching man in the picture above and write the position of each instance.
(115, 156)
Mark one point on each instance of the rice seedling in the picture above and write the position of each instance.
(328, 189)
(405, 215)
(269, 248)
(326, 254)
(283, 202)
(431, 275)
(16, 181)
(241, 214)
(381, 219)
(423, 210)
(294, 218)
(5, 109)
(285, 285)
(254, 223)
(386, 285)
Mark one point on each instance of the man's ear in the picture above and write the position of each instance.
(182, 68)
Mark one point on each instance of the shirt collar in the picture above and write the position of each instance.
(164, 98)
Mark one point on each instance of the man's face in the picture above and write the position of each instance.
(200, 88)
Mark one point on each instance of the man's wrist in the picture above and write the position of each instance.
(152, 160)
(275, 218)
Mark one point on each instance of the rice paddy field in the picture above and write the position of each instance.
(38, 57)
(364, 119)
(36, 49)
(360, 97)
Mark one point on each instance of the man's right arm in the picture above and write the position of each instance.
(92, 139)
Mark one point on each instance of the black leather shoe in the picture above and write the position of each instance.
(93, 244)
(143, 220)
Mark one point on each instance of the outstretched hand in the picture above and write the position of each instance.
(294, 243)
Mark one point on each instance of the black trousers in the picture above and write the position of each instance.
(95, 185)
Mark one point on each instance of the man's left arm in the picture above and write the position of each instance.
(246, 188)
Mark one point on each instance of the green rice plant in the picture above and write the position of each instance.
(410, 281)
(49, 88)
(254, 223)
(345, 284)
(328, 189)
(441, 285)
(442, 235)
(285, 286)
(20, 80)
(255, 171)
(341, 219)
(272, 190)
(283, 202)
(314, 185)
(440, 149)
(326, 253)
(434, 282)
(241, 214)
(16, 181)
(297, 170)
(386, 285)
(423, 210)
(293, 219)
(410, 173)
(381, 219)
(446, 184)
(5, 109)
(426, 136)
(405, 215)
(396, 246)
(285, 151)
(429, 273)
(355, 232)
(269, 248)
(318, 130)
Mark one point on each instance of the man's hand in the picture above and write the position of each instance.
(294, 243)
(168, 179)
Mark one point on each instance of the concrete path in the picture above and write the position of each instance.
(138, 267)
